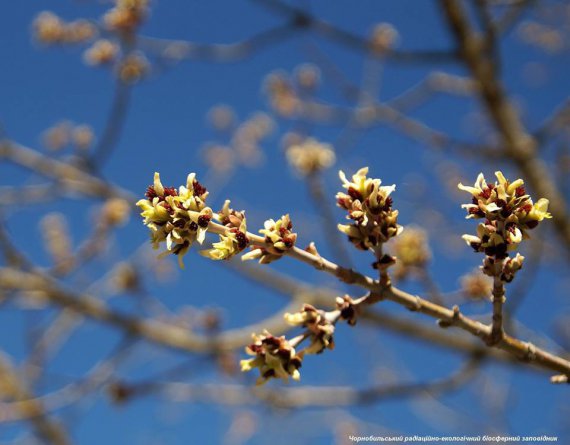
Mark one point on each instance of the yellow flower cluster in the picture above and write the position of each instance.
(275, 357)
(369, 205)
(176, 217)
(235, 238)
(319, 327)
(278, 238)
(508, 213)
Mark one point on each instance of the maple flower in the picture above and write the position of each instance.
(508, 211)
(320, 328)
(369, 206)
(274, 356)
(278, 240)
(176, 217)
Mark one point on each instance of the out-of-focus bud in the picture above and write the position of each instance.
(133, 67)
(222, 117)
(102, 52)
(82, 137)
(476, 286)
(115, 212)
(307, 76)
(48, 28)
(384, 37)
(57, 137)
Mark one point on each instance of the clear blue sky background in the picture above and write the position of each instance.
(164, 131)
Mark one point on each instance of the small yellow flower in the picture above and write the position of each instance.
(539, 210)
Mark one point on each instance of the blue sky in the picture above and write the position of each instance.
(165, 130)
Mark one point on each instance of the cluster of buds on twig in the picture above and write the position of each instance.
(121, 22)
(369, 206)
(319, 326)
(505, 270)
(348, 309)
(279, 238)
(508, 214)
(234, 240)
(68, 134)
(180, 217)
(176, 217)
(476, 286)
(126, 16)
(412, 251)
(310, 156)
(286, 93)
(49, 29)
(275, 357)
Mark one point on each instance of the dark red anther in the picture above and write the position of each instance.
(520, 191)
(150, 193)
(242, 240)
(487, 192)
(204, 220)
(354, 194)
(170, 191)
(199, 189)
(476, 211)
(193, 226)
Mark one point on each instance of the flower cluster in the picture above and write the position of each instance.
(476, 286)
(50, 29)
(310, 156)
(176, 217)
(348, 309)
(132, 67)
(120, 22)
(282, 95)
(384, 37)
(411, 250)
(65, 133)
(102, 52)
(275, 357)
(278, 240)
(234, 240)
(508, 214)
(505, 270)
(126, 16)
(369, 205)
(319, 327)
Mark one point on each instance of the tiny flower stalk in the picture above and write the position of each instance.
(508, 214)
